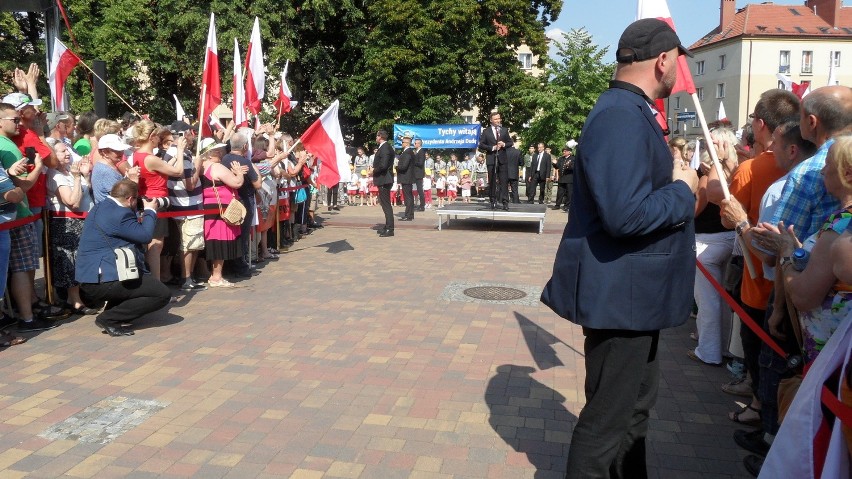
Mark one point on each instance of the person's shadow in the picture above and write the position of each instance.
(531, 418)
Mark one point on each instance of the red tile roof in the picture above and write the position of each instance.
(768, 20)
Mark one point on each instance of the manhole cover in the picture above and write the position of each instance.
(494, 293)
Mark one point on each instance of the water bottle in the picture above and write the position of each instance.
(800, 259)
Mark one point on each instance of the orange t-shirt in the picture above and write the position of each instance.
(750, 182)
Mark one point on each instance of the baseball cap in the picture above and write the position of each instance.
(20, 100)
(112, 142)
(647, 38)
(55, 118)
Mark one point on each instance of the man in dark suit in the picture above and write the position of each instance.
(538, 173)
(383, 179)
(513, 164)
(564, 179)
(493, 142)
(405, 177)
(625, 267)
(111, 224)
(420, 171)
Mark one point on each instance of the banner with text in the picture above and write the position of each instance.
(439, 136)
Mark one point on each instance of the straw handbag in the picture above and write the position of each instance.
(235, 213)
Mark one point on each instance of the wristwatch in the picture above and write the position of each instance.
(741, 227)
(784, 261)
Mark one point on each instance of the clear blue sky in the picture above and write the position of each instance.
(606, 19)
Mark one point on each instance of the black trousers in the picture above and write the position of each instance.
(331, 195)
(622, 377)
(563, 194)
(385, 202)
(536, 181)
(420, 193)
(498, 181)
(127, 300)
(408, 196)
(514, 195)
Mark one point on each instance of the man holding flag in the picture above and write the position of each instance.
(626, 263)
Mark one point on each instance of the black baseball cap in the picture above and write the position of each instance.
(179, 126)
(647, 38)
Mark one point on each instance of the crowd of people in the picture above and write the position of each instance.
(771, 243)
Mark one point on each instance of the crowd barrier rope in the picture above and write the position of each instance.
(829, 399)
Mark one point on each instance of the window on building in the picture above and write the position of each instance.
(699, 67)
(835, 57)
(468, 119)
(677, 103)
(807, 61)
(526, 60)
(781, 85)
(720, 90)
(784, 62)
(700, 93)
(723, 61)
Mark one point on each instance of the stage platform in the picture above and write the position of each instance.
(521, 211)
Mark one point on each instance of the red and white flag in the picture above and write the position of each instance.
(61, 64)
(721, 115)
(325, 141)
(239, 106)
(254, 71)
(660, 9)
(283, 104)
(211, 84)
(799, 89)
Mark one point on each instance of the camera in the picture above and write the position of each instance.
(159, 203)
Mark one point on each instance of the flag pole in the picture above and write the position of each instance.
(718, 166)
(201, 120)
(280, 107)
(110, 88)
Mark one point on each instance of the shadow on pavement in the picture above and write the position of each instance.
(530, 417)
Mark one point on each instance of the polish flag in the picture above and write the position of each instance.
(210, 79)
(832, 73)
(283, 103)
(325, 141)
(179, 111)
(799, 89)
(254, 71)
(239, 93)
(721, 115)
(61, 64)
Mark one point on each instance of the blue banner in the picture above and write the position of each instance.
(439, 136)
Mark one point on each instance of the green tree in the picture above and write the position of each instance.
(568, 91)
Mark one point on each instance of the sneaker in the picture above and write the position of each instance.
(38, 324)
(737, 368)
(190, 286)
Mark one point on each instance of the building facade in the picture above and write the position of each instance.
(744, 55)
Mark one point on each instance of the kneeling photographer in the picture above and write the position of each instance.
(110, 262)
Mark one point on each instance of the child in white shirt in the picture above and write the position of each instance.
(441, 187)
(427, 188)
(452, 185)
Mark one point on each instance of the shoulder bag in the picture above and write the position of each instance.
(235, 213)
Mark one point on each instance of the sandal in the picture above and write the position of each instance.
(736, 416)
(49, 311)
(8, 339)
(272, 250)
(82, 310)
(224, 283)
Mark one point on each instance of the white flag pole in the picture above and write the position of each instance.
(721, 173)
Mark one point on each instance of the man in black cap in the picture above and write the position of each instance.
(626, 263)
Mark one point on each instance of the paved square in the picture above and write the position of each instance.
(340, 360)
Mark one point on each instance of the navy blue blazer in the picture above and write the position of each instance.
(627, 257)
(119, 227)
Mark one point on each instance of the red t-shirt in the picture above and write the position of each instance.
(151, 183)
(37, 195)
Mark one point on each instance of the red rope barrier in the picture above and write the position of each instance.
(19, 222)
(747, 320)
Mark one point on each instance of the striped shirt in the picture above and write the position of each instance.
(180, 198)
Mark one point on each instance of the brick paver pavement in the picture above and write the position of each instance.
(340, 360)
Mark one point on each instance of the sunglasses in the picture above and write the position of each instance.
(14, 120)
